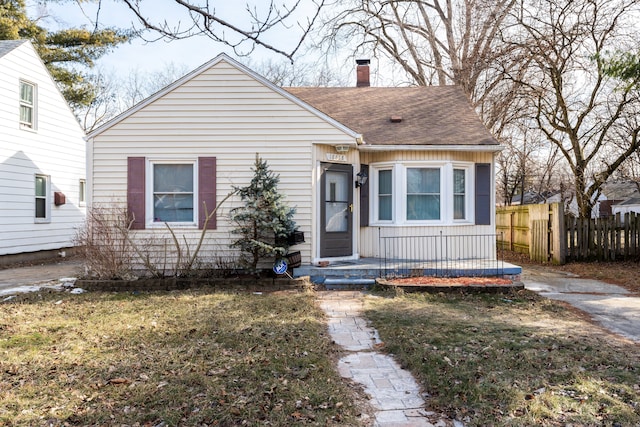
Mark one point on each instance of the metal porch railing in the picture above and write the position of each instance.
(441, 256)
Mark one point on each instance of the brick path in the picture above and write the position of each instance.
(394, 393)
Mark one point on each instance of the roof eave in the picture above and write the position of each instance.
(494, 148)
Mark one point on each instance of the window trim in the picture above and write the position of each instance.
(82, 192)
(469, 188)
(405, 193)
(399, 182)
(47, 199)
(32, 126)
(376, 194)
(149, 193)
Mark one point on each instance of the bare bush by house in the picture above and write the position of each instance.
(106, 249)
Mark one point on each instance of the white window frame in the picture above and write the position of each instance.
(469, 180)
(399, 178)
(376, 192)
(47, 199)
(82, 192)
(149, 205)
(404, 194)
(33, 106)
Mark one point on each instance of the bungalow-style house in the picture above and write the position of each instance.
(358, 164)
(42, 159)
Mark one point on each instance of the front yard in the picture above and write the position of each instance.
(197, 357)
(188, 358)
(516, 360)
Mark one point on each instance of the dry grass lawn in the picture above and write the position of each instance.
(188, 358)
(515, 360)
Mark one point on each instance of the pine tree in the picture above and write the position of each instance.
(264, 221)
(61, 51)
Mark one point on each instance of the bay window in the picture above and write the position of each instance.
(423, 193)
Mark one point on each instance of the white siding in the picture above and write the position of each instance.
(55, 148)
(225, 113)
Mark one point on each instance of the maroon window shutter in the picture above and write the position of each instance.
(135, 191)
(206, 190)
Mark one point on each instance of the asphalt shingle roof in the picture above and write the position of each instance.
(7, 46)
(432, 115)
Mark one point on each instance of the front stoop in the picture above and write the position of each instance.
(362, 274)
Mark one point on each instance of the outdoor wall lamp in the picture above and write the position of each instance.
(341, 148)
(361, 179)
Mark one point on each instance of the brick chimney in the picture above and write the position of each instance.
(362, 73)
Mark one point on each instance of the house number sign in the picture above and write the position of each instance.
(336, 157)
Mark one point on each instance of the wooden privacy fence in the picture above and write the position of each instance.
(532, 229)
(547, 235)
(603, 239)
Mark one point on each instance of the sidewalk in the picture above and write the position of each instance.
(394, 393)
(611, 306)
(31, 278)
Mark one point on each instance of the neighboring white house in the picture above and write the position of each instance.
(42, 157)
(632, 204)
(428, 158)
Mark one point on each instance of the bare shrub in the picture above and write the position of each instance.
(112, 252)
(106, 250)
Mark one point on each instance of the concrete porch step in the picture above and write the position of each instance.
(342, 283)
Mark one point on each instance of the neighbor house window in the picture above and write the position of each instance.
(82, 188)
(423, 194)
(459, 193)
(27, 105)
(173, 192)
(42, 198)
(385, 195)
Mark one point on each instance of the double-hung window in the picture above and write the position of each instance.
(423, 194)
(82, 192)
(27, 105)
(459, 194)
(385, 195)
(41, 198)
(173, 192)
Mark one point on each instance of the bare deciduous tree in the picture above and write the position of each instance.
(590, 118)
(241, 30)
(309, 74)
(114, 94)
(433, 42)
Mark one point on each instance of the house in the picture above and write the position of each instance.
(632, 204)
(358, 164)
(42, 170)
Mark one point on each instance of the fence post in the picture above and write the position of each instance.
(558, 234)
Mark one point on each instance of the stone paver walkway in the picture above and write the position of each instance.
(394, 393)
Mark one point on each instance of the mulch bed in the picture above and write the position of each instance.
(451, 284)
